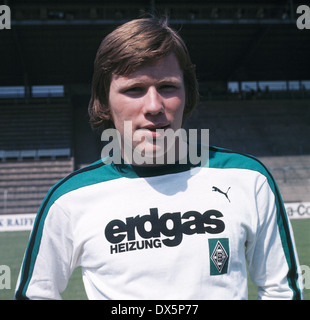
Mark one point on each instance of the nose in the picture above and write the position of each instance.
(153, 104)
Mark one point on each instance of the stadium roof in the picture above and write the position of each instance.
(55, 42)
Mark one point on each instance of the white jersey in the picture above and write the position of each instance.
(164, 232)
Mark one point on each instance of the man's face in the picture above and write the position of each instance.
(151, 98)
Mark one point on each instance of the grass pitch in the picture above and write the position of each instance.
(13, 246)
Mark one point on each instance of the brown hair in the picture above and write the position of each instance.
(129, 47)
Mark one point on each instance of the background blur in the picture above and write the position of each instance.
(253, 68)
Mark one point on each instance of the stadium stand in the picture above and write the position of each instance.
(86, 142)
(35, 151)
(24, 184)
(292, 174)
(259, 127)
(26, 128)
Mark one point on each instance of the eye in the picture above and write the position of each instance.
(134, 91)
(167, 88)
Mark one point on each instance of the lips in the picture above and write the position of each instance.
(153, 131)
(154, 127)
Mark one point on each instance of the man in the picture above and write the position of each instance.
(157, 230)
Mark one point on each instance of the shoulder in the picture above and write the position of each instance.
(90, 175)
(96, 172)
(228, 159)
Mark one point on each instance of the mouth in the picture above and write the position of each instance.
(153, 128)
(154, 131)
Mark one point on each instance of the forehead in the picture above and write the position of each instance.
(167, 67)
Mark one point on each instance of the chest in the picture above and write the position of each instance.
(175, 213)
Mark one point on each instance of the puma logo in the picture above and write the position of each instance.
(220, 191)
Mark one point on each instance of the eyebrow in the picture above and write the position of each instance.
(136, 82)
(175, 80)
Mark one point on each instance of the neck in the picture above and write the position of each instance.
(171, 155)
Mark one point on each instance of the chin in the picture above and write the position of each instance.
(148, 153)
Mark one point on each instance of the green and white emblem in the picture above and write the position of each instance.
(219, 256)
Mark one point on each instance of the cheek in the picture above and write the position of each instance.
(119, 110)
(175, 108)
(124, 110)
